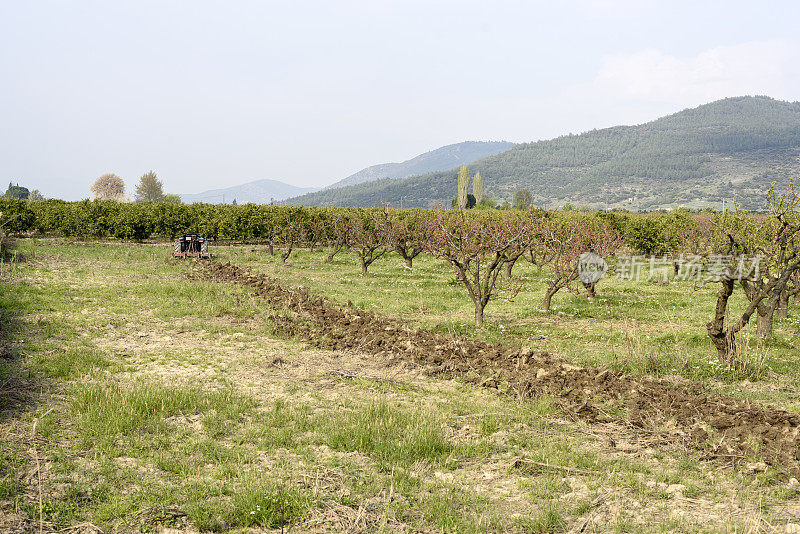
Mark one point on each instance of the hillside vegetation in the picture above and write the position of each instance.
(728, 149)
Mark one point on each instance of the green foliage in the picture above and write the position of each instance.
(172, 198)
(150, 188)
(522, 200)
(645, 236)
(16, 191)
(487, 203)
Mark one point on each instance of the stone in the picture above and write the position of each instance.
(676, 489)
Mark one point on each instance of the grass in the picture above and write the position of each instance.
(164, 402)
(104, 412)
(390, 435)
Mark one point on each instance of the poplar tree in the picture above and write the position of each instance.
(477, 188)
(463, 186)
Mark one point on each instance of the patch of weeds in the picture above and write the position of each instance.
(281, 426)
(389, 434)
(12, 460)
(623, 525)
(547, 519)
(71, 504)
(448, 508)
(107, 410)
(545, 486)
(267, 504)
(489, 423)
(70, 363)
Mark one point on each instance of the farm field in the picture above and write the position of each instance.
(141, 393)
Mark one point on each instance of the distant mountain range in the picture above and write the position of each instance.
(441, 159)
(257, 192)
(265, 191)
(728, 149)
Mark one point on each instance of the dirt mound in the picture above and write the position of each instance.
(725, 426)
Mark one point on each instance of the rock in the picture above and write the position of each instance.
(525, 352)
(580, 491)
(757, 467)
(792, 528)
(793, 483)
(676, 489)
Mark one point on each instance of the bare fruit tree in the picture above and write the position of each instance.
(337, 233)
(406, 232)
(477, 247)
(367, 236)
(762, 254)
(564, 243)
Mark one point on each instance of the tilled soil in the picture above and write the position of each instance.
(718, 425)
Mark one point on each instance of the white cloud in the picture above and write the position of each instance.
(762, 67)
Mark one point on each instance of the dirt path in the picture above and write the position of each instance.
(720, 426)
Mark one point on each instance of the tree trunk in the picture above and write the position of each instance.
(508, 266)
(721, 337)
(548, 296)
(285, 255)
(410, 262)
(783, 305)
(270, 248)
(676, 268)
(478, 314)
(590, 292)
(764, 324)
(364, 266)
(725, 344)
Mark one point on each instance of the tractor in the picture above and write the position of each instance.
(191, 246)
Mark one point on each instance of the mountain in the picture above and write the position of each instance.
(258, 192)
(441, 159)
(728, 149)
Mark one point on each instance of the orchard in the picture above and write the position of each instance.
(481, 246)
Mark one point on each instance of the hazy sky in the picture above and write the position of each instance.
(213, 94)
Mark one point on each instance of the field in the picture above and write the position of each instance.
(145, 394)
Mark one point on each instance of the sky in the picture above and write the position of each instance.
(213, 94)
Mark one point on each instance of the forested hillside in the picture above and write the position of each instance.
(731, 148)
